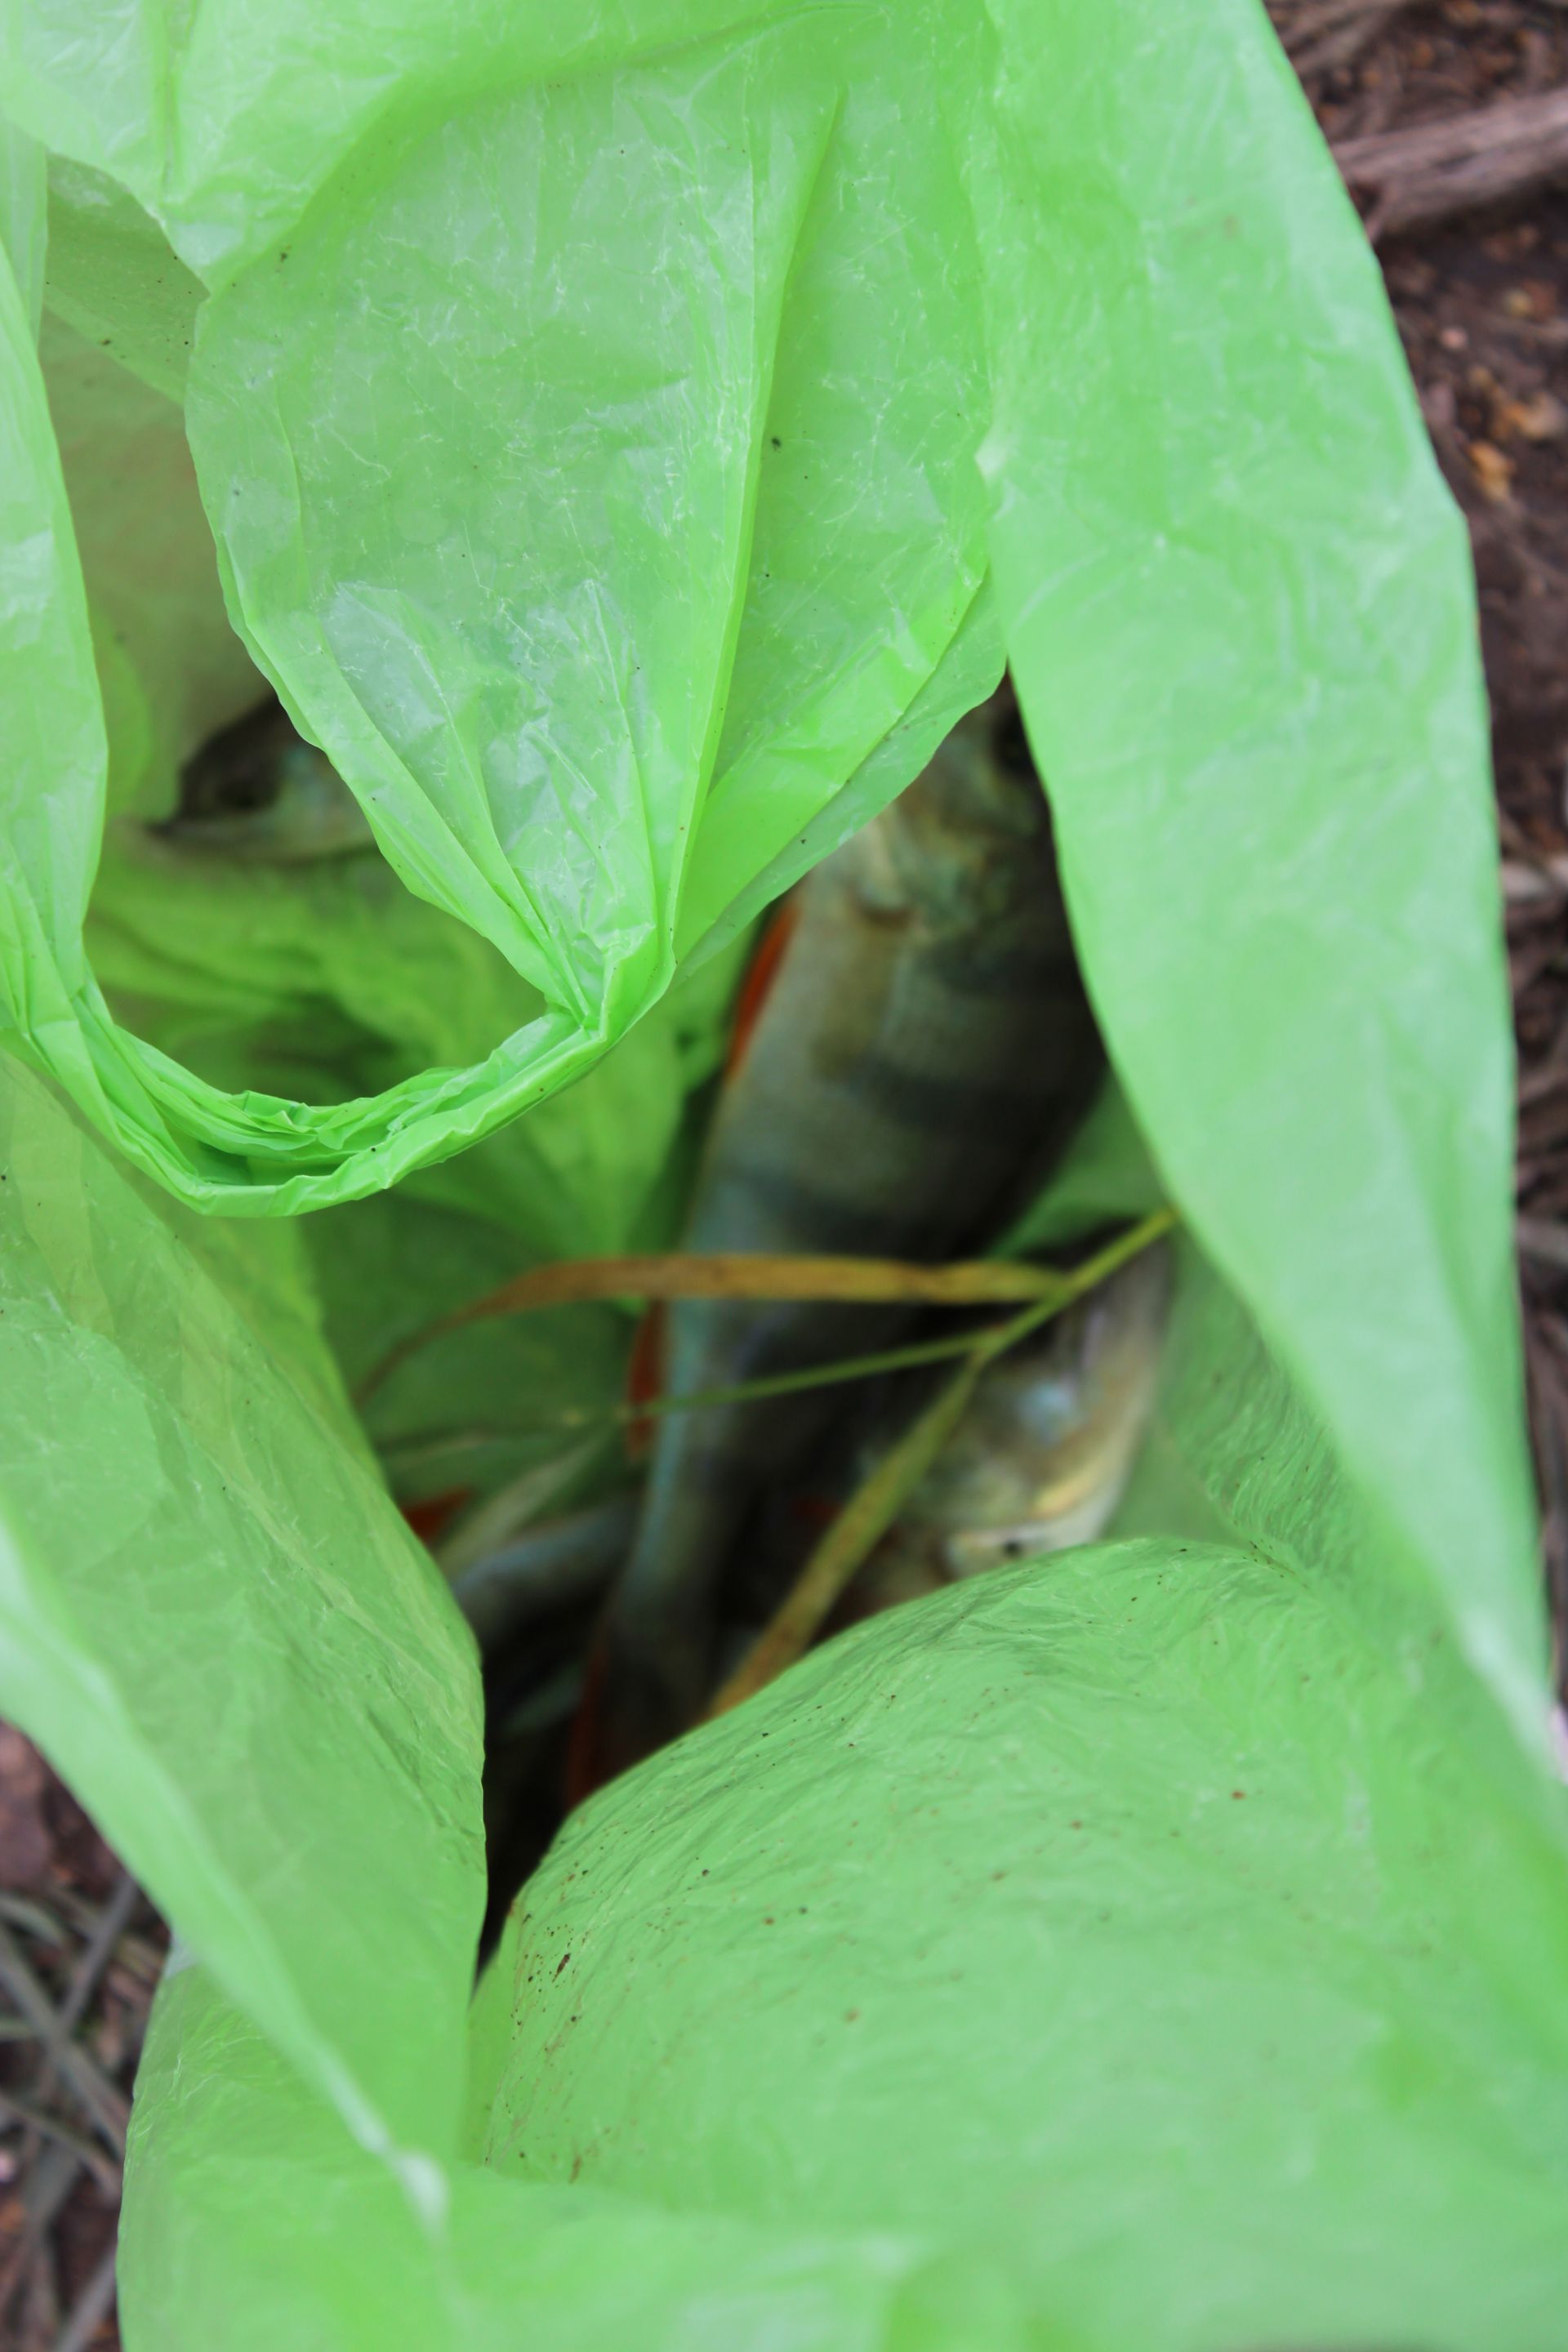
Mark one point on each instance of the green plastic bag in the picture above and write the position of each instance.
(493, 329)
(609, 661)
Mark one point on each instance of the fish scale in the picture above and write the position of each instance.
(922, 1053)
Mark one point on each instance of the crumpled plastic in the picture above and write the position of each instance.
(609, 658)
(1307, 2077)
(221, 1626)
(332, 979)
(952, 1986)
(1113, 1918)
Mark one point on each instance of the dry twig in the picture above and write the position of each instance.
(56, 2152)
(1431, 171)
(90, 2309)
(870, 1512)
(1325, 35)
(103, 2103)
(15, 2109)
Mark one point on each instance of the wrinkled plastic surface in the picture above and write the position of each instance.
(1280, 869)
(22, 210)
(1111, 1916)
(1116, 263)
(607, 670)
(219, 1626)
(1158, 1945)
(278, 2231)
(330, 980)
(1174, 1926)
(611, 645)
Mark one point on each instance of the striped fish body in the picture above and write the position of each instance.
(920, 1057)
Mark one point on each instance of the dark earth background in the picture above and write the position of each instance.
(1450, 119)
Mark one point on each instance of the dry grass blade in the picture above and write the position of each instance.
(1325, 35)
(836, 1374)
(50, 2184)
(15, 2109)
(63, 2191)
(32, 1918)
(870, 1512)
(763, 1276)
(1431, 171)
(90, 2309)
(1549, 1428)
(100, 1948)
(849, 1541)
(116, 1917)
(104, 2104)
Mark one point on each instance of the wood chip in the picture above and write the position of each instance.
(1492, 470)
(1538, 881)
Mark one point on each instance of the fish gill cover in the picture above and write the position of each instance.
(627, 440)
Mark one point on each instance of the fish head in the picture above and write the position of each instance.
(1042, 1455)
(969, 842)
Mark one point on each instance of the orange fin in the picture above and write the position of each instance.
(760, 974)
(645, 1377)
(594, 1753)
(432, 1514)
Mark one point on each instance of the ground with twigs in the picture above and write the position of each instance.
(80, 1949)
(1450, 119)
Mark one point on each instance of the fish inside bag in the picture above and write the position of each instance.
(911, 1052)
(922, 1055)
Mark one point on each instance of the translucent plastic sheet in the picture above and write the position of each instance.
(587, 422)
(610, 646)
(1157, 1922)
(220, 1626)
